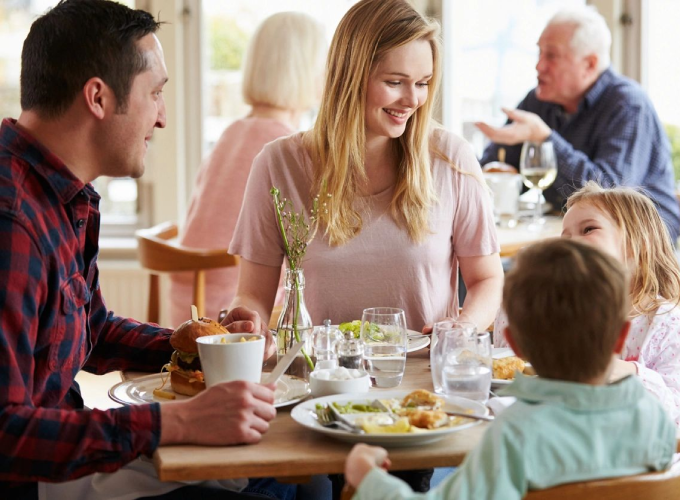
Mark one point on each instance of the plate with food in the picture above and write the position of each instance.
(416, 340)
(505, 365)
(147, 389)
(182, 377)
(397, 418)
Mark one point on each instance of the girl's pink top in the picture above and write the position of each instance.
(214, 209)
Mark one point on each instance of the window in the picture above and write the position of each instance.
(490, 56)
(662, 67)
(120, 201)
(228, 27)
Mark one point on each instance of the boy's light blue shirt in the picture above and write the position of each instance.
(557, 432)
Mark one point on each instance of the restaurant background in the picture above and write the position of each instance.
(489, 57)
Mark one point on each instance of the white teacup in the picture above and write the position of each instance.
(227, 357)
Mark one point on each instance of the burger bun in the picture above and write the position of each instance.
(185, 335)
(182, 385)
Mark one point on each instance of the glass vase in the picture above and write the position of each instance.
(295, 325)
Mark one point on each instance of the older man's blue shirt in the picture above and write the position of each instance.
(615, 138)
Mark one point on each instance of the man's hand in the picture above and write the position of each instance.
(236, 412)
(361, 460)
(244, 320)
(525, 126)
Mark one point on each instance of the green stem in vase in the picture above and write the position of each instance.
(298, 292)
(300, 237)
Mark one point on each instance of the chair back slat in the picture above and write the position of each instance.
(158, 253)
(652, 486)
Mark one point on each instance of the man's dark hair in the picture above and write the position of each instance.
(78, 40)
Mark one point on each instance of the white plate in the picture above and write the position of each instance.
(416, 340)
(303, 415)
(138, 391)
(499, 353)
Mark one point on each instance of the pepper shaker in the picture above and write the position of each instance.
(350, 351)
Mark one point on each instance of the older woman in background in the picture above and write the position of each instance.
(282, 80)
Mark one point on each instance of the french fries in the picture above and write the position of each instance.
(163, 394)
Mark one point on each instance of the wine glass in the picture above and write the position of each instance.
(538, 167)
(383, 332)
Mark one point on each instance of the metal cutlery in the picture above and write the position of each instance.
(473, 416)
(376, 403)
(328, 417)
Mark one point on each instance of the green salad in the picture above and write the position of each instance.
(374, 333)
(350, 407)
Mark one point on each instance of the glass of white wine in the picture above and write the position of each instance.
(538, 167)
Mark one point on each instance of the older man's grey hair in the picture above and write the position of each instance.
(591, 34)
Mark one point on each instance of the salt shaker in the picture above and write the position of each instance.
(350, 351)
(325, 339)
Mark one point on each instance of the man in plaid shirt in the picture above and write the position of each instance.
(603, 126)
(91, 96)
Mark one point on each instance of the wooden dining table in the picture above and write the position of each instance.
(293, 453)
(512, 240)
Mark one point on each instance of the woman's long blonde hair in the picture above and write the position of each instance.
(337, 142)
(656, 273)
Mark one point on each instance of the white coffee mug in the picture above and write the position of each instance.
(231, 356)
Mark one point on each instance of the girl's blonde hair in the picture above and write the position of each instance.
(336, 144)
(656, 273)
(283, 66)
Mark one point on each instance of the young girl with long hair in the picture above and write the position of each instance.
(626, 224)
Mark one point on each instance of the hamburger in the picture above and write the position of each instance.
(186, 376)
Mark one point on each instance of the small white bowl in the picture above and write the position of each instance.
(320, 387)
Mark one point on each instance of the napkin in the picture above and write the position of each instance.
(498, 404)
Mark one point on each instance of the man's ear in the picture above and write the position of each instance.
(623, 335)
(99, 98)
(511, 342)
(591, 63)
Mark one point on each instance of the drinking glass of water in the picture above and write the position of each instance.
(383, 332)
(538, 167)
(439, 329)
(466, 364)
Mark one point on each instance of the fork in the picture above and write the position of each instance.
(327, 418)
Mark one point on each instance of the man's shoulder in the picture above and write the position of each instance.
(21, 194)
(623, 91)
(13, 172)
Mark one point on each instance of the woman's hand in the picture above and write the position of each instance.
(427, 329)
(244, 320)
(361, 460)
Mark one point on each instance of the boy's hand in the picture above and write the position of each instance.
(361, 460)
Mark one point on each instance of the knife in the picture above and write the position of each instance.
(284, 363)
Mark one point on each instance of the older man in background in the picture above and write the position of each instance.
(602, 125)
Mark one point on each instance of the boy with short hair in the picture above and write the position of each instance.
(567, 306)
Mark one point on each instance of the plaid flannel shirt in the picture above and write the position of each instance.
(615, 138)
(53, 322)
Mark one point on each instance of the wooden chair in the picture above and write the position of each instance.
(158, 254)
(653, 486)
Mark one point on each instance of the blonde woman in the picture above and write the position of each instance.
(282, 80)
(405, 208)
(627, 225)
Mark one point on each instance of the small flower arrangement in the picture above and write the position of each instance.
(297, 233)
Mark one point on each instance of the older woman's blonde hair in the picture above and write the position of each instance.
(336, 144)
(283, 66)
(655, 270)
